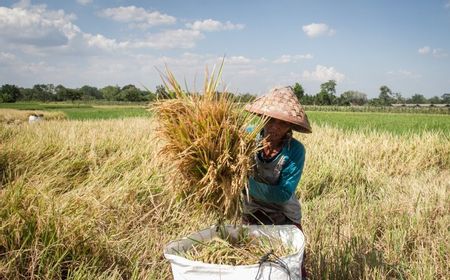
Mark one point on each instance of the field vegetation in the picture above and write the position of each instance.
(90, 200)
(82, 111)
(397, 123)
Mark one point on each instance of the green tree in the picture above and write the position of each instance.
(434, 100)
(298, 91)
(61, 93)
(418, 99)
(26, 94)
(352, 97)
(385, 97)
(398, 98)
(73, 94)
(327, 94)
(307, 100)
(88, 92)
(9, 93)
(446, 98)
(44, 92)
(130, 93)
(110, 92)
(161, 92)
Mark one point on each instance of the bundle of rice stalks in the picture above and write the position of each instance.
(247, 250)
(206, 139)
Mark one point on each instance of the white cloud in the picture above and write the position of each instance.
(439, 53)
(139, 17)
(237, 60)
(424, 50)
(213, 25)
(36, 25)
(104, 43)
(38, 30)
(84, 2)
(318, 29)
(179, 38)
(447, 5)
(404, 74)
(323, 74)
(6, 57)
(435, 52)
(286, 58)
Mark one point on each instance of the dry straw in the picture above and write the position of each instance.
(206, 139)
(246, 250)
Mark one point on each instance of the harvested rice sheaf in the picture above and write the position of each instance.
(206, 140)
(237, 252)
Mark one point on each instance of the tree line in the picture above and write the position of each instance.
(386, 97)
(51, 93)
(130, 93)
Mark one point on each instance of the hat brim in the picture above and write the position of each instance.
(302, 127)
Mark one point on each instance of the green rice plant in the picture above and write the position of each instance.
(206, 140)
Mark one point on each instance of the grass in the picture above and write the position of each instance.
(378, 109)
(90, 200)
(397, 123)
(77, 111)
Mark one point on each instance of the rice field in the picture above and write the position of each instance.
(90, 200)
(398, 123)
(81, 111)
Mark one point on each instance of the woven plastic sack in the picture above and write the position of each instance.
(184, 269)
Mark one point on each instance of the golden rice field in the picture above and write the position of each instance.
(89, 200)
(12, 116)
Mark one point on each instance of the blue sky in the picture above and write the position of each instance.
(360, 44)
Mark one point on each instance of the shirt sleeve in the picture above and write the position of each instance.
(290, 177)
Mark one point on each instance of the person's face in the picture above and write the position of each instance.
(276, 129)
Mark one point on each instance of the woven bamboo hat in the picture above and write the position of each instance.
(282, 104)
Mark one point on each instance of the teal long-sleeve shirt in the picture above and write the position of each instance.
(291, 173)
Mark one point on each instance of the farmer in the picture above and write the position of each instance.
(279, 164)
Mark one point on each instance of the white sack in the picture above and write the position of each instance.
(184, 269)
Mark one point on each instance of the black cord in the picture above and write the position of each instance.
(276, 260)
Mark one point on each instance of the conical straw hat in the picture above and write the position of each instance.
(282, 104)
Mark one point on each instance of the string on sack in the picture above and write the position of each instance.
(271, 258)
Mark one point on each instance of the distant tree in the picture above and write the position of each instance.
(130, 93)
(148, 95)
(26, 94)
(327, 94)
(398, 98)
(307, 100)
(446, 98)
(44, 92)
(161, 92)
(385, 97)
(89, 93)
(73, 94)
(352, 97)
(246, 97)
(298, 91)
(9, 93)
(61, 93)
(417, 99)
(434, 100)
(110, 92)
